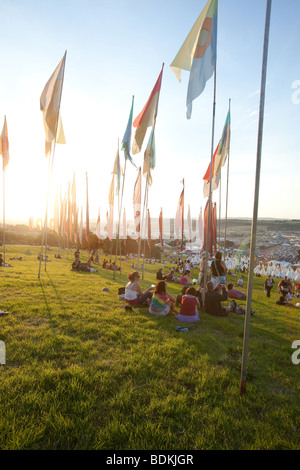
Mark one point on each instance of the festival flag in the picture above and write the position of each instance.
(213, 227)
(198, 54)
(4, 145)
(110, 218)
(30, 223)
(147, 116)
(126, 142)
(215, 177)
(137, 194)
(118, 171)
(223, 146)
(98, 225)
(149, 229)
(50, 105)
(161, 228)
(87, 224)
(149, 157)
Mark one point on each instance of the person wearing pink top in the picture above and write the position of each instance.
(189, 307)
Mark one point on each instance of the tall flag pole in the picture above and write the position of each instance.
(137, 194)
(110, 218)
(145, 119)
(149, 229)
(227, 183)
(119, 172)
(124, 229)
(149, 164)
(243, 380)
(87, 215)
(50, 101)
(179, 220)
(4, 151)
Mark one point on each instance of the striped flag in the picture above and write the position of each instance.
(198, 54)
(223, 146)
(118, 171)
(149, 157)
(147, 116)
(137, 194)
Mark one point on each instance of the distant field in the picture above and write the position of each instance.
(82, 373)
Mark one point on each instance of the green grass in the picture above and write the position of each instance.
(82, 373)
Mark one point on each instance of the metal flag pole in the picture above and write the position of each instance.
(210, 184)
(119, 218)
(225, 232)
(3, 215)
(256, 196)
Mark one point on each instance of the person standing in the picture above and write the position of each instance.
(269, 282)
(218, 270)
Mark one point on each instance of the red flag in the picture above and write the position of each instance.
(147, 116)
(213, 227)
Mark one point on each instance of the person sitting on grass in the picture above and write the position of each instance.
(160, 275)
(282, 301)
(162, 302)
(189, 306)
(235, 293)
(133, 291)
(185, 279)
(213, 299)
(170, 277)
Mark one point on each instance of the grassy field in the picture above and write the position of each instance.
(82, 373)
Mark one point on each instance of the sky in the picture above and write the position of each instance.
(115, 50)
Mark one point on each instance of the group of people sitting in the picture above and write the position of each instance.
(160, 302)
(184, 279)
(77, 265)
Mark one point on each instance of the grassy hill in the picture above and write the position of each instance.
(82, 373)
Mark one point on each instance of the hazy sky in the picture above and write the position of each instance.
(115, 49)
